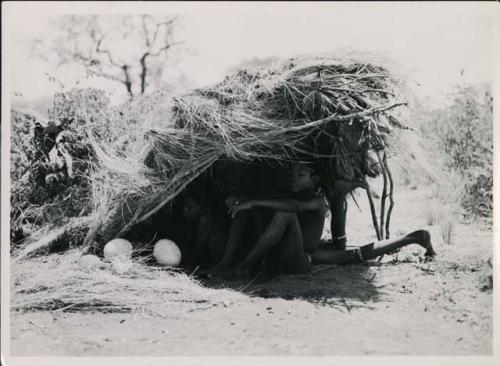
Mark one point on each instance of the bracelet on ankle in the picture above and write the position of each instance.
(339, 237)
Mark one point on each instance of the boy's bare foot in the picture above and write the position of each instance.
(219, 268)
(239, 273)
(230, 273)
(217, 272)
(424, 239)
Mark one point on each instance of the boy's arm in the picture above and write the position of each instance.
(290, 205)
(287, 205)
(232, 200)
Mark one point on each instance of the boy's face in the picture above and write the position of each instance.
(191, 209)
(301, 179)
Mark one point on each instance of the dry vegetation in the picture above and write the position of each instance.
(106, 287)
(462, 135)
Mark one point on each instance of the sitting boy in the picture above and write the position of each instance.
(209, 236)
(293, 230)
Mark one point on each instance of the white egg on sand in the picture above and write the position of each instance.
(167, 253)
(89, 261)
(117, 248)
(119, 252)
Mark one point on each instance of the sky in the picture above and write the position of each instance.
(435, 45)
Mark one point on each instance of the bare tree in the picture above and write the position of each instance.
(125, 49)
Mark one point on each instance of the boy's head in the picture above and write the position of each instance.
(303, 178)
(191, 209)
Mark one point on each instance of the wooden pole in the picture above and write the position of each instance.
(384, 193)
(372, 209)
(391, 197)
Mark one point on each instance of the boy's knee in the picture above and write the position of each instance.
(242, 216)
(285, 216)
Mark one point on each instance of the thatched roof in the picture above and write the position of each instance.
(309, 107)
(317, 109)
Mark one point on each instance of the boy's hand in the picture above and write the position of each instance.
(237, 207)
(231, 201)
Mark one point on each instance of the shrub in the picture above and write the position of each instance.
(462, 132)
(35, 202)
(83, 113)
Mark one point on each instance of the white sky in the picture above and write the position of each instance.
(432, 41)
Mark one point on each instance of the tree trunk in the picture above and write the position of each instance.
(127, 82)
(144, 70)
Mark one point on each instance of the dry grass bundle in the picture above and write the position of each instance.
(60, 282)
(298, 107)
(47, 237)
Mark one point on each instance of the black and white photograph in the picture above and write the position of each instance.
(243, 179)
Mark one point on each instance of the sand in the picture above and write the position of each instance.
(399, 306)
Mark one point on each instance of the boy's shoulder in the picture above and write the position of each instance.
(314, 202)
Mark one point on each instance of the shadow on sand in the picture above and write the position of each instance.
(330, 285)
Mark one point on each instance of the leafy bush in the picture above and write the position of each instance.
(83, 113)
(34, 202)
(462, 132)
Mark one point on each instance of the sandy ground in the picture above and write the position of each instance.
(399, 306)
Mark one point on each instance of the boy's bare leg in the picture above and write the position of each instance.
(338, 208)
(216, 244)
(236, 231)
(273, 234)
(333, 256)
(292, 257)
(373, 250)
(337, 205)
(421, 237)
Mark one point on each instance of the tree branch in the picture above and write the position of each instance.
(345, 118)
(106, 52)
(159, 25)
(97, 53)
(391, 198)
(384, 192)
(165, 48)
(106, 75)
(143, 62)
(372, 210)
(145, 30)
